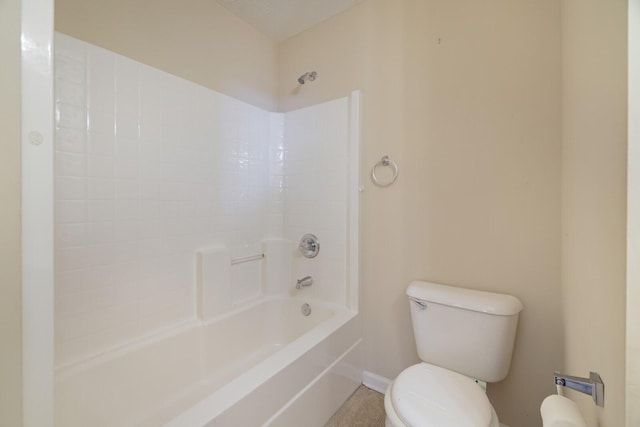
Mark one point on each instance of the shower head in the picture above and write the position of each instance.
(308, 76)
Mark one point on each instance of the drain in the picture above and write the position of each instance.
(306, 309)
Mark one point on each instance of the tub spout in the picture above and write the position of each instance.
(304, 282)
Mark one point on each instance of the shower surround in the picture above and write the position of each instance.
(151, 169)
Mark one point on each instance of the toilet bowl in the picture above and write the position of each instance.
(461, 335)
(425, 395)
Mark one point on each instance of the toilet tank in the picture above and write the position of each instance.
(467, 331)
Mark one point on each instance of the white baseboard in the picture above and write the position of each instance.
(375, 382)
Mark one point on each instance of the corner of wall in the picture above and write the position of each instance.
(10, 247)
(594, 147)
(632, 392)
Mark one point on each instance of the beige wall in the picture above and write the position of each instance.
(474, 124)
(10, 267)
(633, 222)
(198, 40)
(594, 37)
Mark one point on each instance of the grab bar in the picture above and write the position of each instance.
(247, 259)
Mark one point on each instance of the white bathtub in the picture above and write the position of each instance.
(266, 364)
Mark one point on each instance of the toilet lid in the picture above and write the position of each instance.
(426, 395)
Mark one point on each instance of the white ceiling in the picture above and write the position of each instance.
(280, 19)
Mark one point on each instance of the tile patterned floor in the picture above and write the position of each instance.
(365, 408)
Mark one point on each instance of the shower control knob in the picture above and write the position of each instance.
(309, 246)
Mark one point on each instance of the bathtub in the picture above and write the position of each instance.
(263, 365)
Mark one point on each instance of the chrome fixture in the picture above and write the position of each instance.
(385, 161)
(306, 309)
(421, 304)
(308, 76)
(247, 259)
(592, 385)
(309, 245)
(304, 282)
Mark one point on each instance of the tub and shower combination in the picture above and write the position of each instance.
(178, 216)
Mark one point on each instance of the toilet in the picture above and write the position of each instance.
(465, 339)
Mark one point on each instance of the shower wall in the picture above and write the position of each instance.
(150, 168)
(316, 153)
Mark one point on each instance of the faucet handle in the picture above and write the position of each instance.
(309, 246)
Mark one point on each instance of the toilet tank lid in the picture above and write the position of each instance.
(468, 299)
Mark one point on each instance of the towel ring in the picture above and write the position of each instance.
(385, 161)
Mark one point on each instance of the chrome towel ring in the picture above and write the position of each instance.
(385, 161)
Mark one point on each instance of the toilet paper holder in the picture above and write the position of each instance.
(592, 385)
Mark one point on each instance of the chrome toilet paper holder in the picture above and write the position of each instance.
(592, 385)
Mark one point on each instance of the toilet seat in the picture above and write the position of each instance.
(425, 395)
